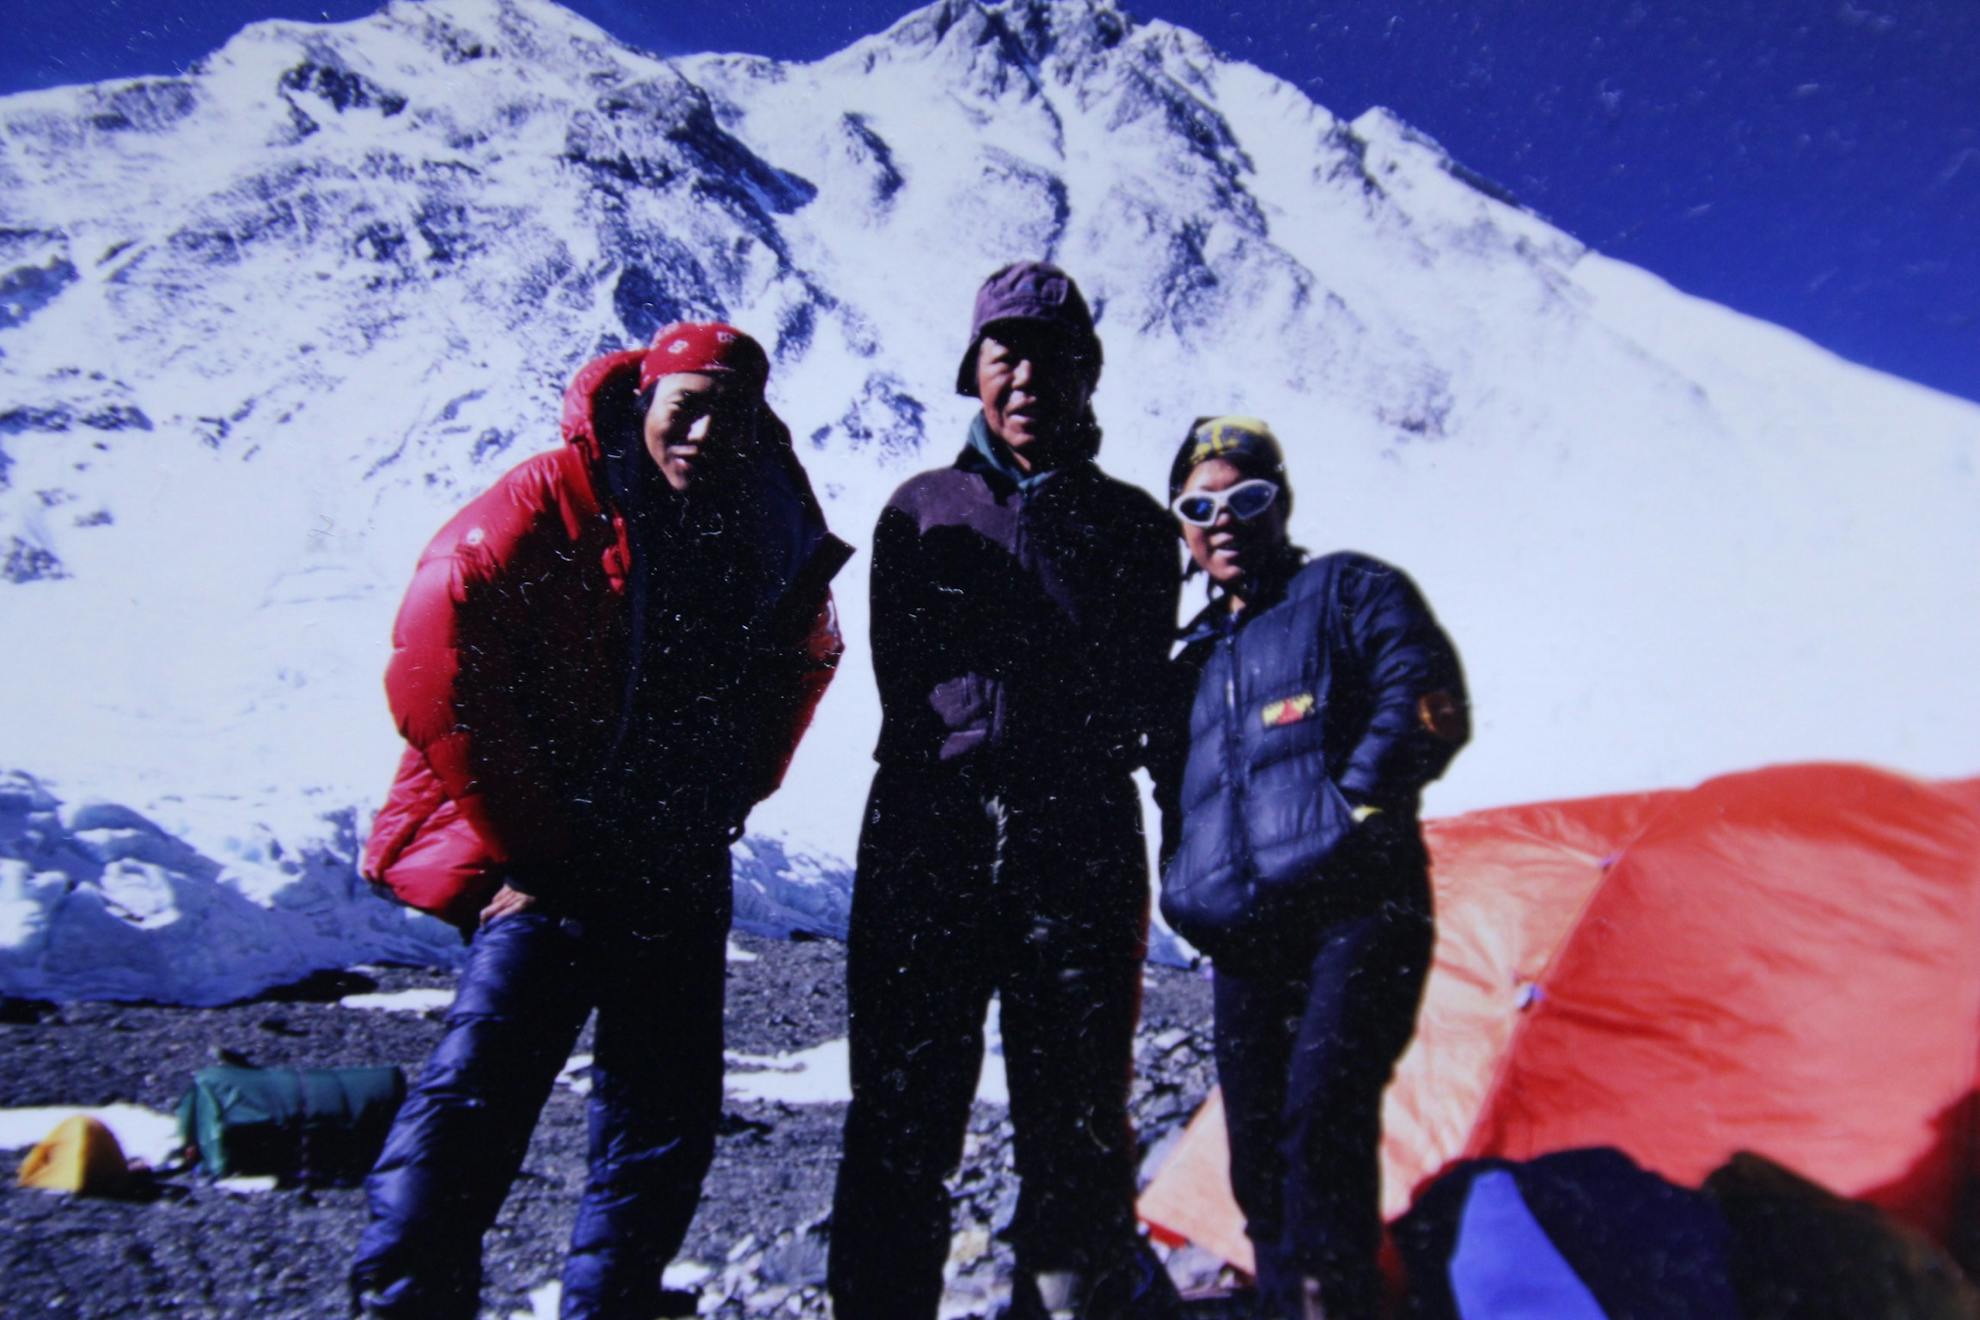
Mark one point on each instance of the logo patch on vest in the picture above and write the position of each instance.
(1292, 710)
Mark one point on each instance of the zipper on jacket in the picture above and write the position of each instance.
(1233, 746)
(1000, 702)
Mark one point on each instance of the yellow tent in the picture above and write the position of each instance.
(80, 1155)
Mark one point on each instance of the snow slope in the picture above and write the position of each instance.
(264, 325)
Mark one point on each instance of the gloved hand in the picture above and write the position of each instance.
(1381, 841)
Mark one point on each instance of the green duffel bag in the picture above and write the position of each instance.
(307, 1125)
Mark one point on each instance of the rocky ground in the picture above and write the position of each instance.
(757, 1245)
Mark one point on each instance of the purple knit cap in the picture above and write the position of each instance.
(1034, 291)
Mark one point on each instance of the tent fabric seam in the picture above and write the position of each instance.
(1604, 863)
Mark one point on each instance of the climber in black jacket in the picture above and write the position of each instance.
(1325, 698)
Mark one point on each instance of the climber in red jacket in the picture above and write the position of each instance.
(602, 664)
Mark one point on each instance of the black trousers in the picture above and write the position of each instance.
(1307, 1040)
(530, 982)
(1035, 893)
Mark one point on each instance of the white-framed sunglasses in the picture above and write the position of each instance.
(1246, 500)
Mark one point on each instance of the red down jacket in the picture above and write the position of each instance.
(509, 659)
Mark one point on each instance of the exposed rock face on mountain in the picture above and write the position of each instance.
(263, 325)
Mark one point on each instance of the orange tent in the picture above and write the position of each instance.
(1785, 961)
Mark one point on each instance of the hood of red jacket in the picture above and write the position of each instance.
(602, 383)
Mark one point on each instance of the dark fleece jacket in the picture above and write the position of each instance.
(1022, 630)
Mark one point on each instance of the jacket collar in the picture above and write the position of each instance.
(990, 458)
(1265, 589)
(1210, 623)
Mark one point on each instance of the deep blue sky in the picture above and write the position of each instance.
(1813, 162)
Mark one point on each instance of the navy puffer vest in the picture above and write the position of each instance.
(1340, 692)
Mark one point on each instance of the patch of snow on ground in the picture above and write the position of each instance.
(401, 1001)
(576, 1074)
(143, 1134)
(822, 1075)
(543, 1301)
(542, 1304)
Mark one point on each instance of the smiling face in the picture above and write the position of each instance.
(697, 423)
(1034, 383)
(1231, 547)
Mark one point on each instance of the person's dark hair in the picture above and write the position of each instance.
(619, 423)
(619, 418)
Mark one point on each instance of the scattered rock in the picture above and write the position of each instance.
(758, 1245)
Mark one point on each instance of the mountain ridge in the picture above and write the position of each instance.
(264, 325)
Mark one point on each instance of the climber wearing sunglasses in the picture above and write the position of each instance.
(1315, 699)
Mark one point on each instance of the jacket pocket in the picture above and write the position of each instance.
(1206, 900)
(1297, 820)
(1297, 830)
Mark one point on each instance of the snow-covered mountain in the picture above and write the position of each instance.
(264, 325)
